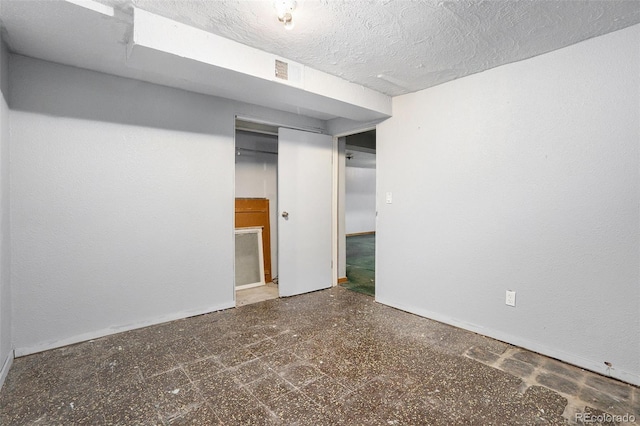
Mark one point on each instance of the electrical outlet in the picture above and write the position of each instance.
(510, 298)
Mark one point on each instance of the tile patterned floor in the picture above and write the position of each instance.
(332, 357)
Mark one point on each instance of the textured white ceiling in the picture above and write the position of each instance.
(414, 44)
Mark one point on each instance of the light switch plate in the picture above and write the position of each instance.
(389, 198)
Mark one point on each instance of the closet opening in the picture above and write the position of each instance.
(256, 207)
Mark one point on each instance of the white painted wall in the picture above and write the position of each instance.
(123, 202)
(257, 177)
(6, 340)
(360, 198)
(524, 177)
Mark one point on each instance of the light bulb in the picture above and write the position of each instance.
(284, 9)
(288, 22)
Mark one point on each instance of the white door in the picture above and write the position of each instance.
(304, 217)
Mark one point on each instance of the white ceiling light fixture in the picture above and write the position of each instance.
(285, 9)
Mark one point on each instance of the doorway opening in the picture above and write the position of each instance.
(289, 170)
(359, 211)
(256, 208)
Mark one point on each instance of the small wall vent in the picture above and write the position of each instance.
(291, 72)
(282, 70)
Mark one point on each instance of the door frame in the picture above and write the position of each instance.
(334, 194)
(338, 184)
(336, 181)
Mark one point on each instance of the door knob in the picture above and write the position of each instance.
(285, 215)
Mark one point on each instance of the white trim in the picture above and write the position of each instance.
(94, 6)
(276, 124)
(336, 188)
(28, 350)
(569, 358)
(366, 128)
(252, 285)
(335, 193)
(259, 131)
(6, 366)
(344, 127)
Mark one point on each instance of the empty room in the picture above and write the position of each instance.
(500, 213)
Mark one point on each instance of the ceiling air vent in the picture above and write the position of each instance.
(282, 70)
(289, 72)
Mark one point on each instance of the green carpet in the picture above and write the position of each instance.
(361, 264)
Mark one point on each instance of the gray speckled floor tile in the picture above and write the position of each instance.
(125, 391)
(278, 361)
(264, 347)
(188, 350)
(202, 369)
(177, 402)
(602, 384)
(219, 344)
(202, 415)
(226, 396)
(249, 371)
(517, 368)
(332, 357)
(296, 408)
(606, 401)
(269, 387)
(482, 355)
(255, 416)
(155, 359)
(357, 409)
(557, 383)
(384, 390)
(545, 399)
(22, 410)
(325, 391)
(235, 357)
(289, 338)
(418, 409)
(300, 373)
(528, 357)
(562, 369)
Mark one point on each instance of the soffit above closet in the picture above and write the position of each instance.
(401, 46)
(356, 53)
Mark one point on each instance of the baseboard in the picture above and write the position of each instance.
(6, 366)
(247, 286)
(361, 233)
(343, 280)
(28, 350)
(587, 364)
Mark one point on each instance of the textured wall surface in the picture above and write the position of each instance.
(525, 177)
(123, 202)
